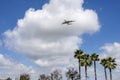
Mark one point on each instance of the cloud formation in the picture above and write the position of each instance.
(112, 50)
(9, 68)
(41, 36)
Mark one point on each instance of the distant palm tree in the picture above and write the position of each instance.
(8, 78)
(94, 58)
(71, 74)
(24, 77)
(86, 61)
(104, 64)
(78, 54)
(111, 65)
(56, 75)
(45, 77)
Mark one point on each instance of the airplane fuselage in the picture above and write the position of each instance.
(67, 22)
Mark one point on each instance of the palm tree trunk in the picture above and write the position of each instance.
(95, 70)
(79, 69)
(72, 78)
(105, 73)
(86, 72)
(110, 74)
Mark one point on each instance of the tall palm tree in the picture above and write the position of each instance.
(77, 55)
(94, 58)
(86, 61)
(111, 65)
(103, 62)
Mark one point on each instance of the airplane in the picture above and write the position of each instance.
(67, 22)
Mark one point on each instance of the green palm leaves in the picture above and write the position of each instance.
(111, 63)
(78, 54)
(86, 60)
(95, 57)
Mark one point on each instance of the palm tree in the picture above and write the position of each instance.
(78, 54)
(111, 65)
(104, 64)
(86, 61)
(94, 58)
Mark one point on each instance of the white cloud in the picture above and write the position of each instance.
(9, 68)
(4, 62)
(41, 36)
(113, 50)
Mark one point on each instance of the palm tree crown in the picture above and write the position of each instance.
(78, 54)
(86, 60)
(104, 63)
(95, 57)
(111, 63)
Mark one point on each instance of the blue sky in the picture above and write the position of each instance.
(15, 10)
(11, 11)
(108, 12)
